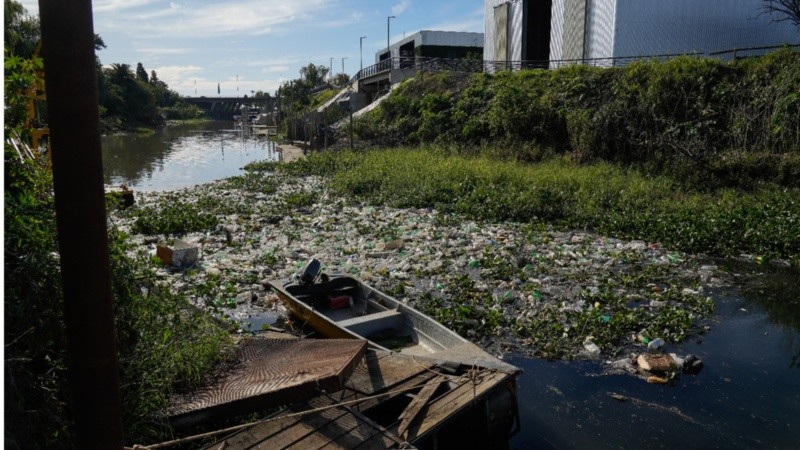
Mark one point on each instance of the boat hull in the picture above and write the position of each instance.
(385, 322)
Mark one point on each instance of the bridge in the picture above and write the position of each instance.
(226, 107)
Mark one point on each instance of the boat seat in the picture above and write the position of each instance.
(372, 323)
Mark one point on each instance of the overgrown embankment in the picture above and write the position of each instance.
(600, 197)
(164, 343)
(708, 123)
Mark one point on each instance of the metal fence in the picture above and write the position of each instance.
(423, 64)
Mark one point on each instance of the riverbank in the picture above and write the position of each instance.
(507, 286)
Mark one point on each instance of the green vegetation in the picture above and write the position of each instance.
(164, 343)
(174, 218)
(708, 123)
(619, 202)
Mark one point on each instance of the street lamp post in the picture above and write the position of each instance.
(330, 69)
(361, 51)
(343, 63)
(388, 49)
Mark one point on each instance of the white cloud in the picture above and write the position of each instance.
(276, 69)
(399, 8)
(474, 25)
(223, 18)
(118, 5)
(158, 51)
(180, 78)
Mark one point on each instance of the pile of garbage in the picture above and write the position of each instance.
(657, 366)
(506, 286)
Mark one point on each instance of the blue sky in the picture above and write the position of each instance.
(264, 42)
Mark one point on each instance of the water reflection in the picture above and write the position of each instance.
(179, 156)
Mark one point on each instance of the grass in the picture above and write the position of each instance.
(599, 197)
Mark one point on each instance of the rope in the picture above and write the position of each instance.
(271, 419)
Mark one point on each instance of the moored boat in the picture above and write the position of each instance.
(341, 306)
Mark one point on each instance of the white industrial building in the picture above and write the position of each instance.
(435, 44)
(599, 30)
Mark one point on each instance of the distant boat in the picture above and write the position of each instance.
(344, 307)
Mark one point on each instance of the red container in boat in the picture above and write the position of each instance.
(340, 301)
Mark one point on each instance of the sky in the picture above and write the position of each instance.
(252, 45)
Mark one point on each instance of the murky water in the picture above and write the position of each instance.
(180, 156)
(746, 396)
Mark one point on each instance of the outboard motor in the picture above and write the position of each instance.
(311, 271)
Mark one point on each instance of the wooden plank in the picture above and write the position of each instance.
(303, 432)
(418, 380)
(420, 401)
(381, 371)
(258, 434)
(441, 409)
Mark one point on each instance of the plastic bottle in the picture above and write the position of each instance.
(656, 344)
(591, 347)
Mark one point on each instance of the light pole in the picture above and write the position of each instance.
(388, 50)
(343, 63)
(361, 51)
(330, 75)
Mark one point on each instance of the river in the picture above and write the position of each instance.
(746, 396)
(181, 155)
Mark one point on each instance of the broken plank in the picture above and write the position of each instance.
(381, 371)
(420, 401)
(400, 389)
(454, 401)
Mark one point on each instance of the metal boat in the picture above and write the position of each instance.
(341, 306)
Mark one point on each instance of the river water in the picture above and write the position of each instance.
(746, 396)
(181, 155)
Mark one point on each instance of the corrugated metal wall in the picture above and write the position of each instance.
(600, 30)
(557, 30)
(649, 27)
(569, 28)
(620, 28)
(514, 36)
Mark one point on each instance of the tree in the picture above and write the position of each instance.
(341, 79)
(141, 73)
(313, 75)
(21, 31)
(782, 10)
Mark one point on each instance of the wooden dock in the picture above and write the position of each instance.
(393, 401)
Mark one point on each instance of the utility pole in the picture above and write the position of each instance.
(68, 51)
(343, 63)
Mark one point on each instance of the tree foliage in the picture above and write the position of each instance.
(313, 75)
(141, 74)
(129, 99)
(21, 32)
(163, 342)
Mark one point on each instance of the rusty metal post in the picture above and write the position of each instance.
(71, 85)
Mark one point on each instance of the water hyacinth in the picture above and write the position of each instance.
(505, 285)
